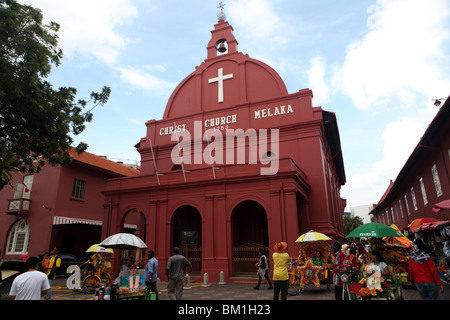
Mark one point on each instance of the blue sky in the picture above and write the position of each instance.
(376, 64)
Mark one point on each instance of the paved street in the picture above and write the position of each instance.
(229, 291)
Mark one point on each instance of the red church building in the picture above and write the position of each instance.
(424, 181)
(236, 164)
(61, 206)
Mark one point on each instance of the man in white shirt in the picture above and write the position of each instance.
(30, 285)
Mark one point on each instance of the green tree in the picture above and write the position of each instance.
(36, 121)
(351, 223)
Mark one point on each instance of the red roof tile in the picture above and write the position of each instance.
(103, 163)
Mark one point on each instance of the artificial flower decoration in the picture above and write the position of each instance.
(309, 273)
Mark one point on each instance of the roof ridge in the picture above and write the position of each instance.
(103, 163)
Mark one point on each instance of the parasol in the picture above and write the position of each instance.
(443, 205)
(97, 248)
(312, 236)
(397, 241)
(418, 223)
(373, 230)
(123, 241)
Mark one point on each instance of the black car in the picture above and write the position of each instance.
(10, 270)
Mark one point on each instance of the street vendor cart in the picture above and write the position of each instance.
(313, 263)
(389, 241)
(132, 281)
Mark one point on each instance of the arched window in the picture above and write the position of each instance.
(18, 238)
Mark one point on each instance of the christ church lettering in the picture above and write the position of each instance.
(271, 112)
(172, 129)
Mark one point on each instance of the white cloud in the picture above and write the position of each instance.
(399, 56)
(87, 27)
(143, 80)
(398, 65)
(316, 80)
(400, 138)
(257, 20)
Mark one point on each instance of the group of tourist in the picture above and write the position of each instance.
(280, 275)
(36, 281)
(362, 257)
(354, 258)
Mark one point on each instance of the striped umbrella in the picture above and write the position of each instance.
(312, 236)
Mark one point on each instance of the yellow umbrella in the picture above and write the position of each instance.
(97, 248)
(399, 241)
(312, 236)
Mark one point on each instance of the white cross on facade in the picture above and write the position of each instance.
(220, 80)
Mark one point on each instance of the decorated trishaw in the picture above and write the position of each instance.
(130, 284)
(394, 249)
(313, 263)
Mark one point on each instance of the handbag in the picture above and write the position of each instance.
(263, 262)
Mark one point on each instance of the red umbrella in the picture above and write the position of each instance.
(418, 223)
(443, 205)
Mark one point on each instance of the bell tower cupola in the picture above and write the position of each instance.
(222, 40)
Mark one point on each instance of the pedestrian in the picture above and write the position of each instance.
(45, 262)
(280, 271)
(151, 275)
(175, 274)
(263, 270)
(362, 253)
(340, 264)
(53, 265)
(317, 260)
(376, 262)
(423, 272)
(105, 264)
(123, 270)
(30, 285)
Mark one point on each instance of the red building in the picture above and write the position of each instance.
(235, 164)
(60, 206)
(424, 179)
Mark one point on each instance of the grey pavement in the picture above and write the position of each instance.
(229, 291)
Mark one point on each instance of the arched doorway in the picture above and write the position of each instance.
(250, 234)
(134, 222)
(187, 235)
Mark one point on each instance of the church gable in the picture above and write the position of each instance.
(224, 81)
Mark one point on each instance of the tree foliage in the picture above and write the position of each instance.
(351, 222)
(36, 120)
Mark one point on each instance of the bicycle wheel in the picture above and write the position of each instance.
(294, 285)
(91, 283)
(106, 278)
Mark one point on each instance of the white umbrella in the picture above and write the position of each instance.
(123, 241)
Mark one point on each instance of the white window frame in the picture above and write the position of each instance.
(437, 182)
(406, 204)
(413, 196)
(424, 193)
(19, 234)
(400, 205)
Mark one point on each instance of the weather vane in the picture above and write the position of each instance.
(221, 16)
(221, 6)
